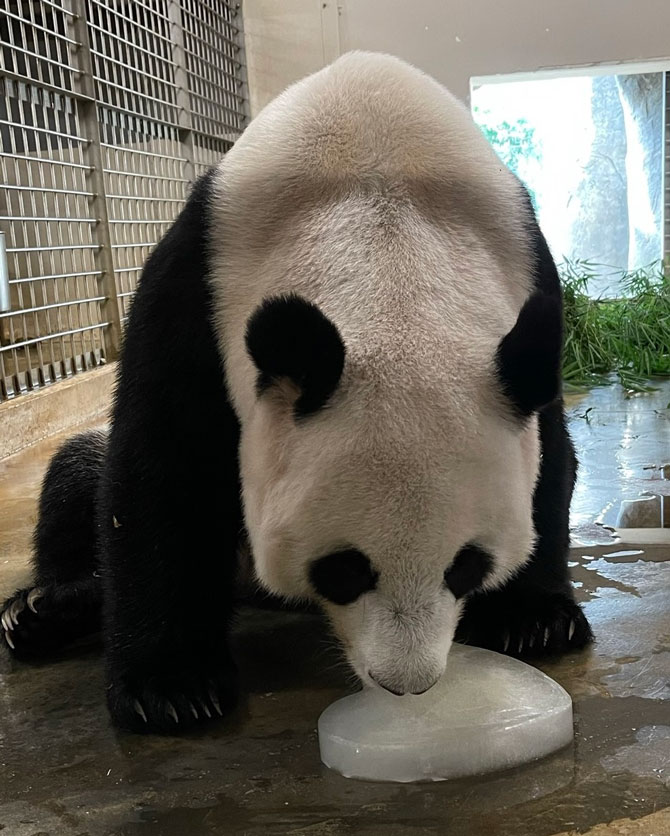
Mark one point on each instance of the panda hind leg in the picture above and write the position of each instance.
(535, 614)
(39, 621)
(62, 604)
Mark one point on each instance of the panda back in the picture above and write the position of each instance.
(368, 189)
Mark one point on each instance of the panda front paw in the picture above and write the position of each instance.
(532, 624)
(172, 703)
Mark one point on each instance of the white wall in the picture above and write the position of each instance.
(286, 40)
(452, 40)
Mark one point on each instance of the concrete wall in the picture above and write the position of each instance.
(452, 40)
(286, 40)
(55, 409)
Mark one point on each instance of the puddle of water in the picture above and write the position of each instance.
(615, 449)
(648, 758)
(625, 553)
(594, 576)
(593, 534)
(651, 554)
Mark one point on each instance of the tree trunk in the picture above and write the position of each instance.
(599, 208)
(642, 101)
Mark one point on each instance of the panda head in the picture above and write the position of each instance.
(384, 493)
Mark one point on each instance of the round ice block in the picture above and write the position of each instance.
(488, 712)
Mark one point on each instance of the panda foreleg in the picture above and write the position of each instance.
(169, 505)
(535, 613)
(169, 522)
(168, 564)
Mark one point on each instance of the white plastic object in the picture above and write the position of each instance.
(488, 712)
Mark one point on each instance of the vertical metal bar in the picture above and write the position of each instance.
(88, 115)
(244, 106)
(185, 121)
(4, 276)
(330, 30)
(665, 163)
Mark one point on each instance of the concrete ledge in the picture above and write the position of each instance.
(643, 537)
(54, 409)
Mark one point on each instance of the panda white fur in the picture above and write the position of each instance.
(354, 326)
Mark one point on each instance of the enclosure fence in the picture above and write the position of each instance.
(665, 220)
(108, 111)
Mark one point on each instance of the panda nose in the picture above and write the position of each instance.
(394, 691)
(386, 687)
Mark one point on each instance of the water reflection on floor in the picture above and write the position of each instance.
(621, 442)
(65, 772)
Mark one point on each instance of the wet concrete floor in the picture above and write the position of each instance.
(621, 443)
(64, 771)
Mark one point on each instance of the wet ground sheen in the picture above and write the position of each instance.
(64, 771)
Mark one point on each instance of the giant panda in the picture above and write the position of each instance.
(347, 350)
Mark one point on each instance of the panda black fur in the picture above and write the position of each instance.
(352, 332)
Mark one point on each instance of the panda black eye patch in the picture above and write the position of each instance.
(342, 577)
(470, 567)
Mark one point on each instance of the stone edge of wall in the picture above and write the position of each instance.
(37, 415)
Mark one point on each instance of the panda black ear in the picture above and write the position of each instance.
(528, 359)
(289, 337)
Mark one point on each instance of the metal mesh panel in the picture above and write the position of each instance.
(143, 158)
(37, 42)
(54, 327)
(132, 62)
(146, 184)
(208, 150)
(211, 43)
(108, 108)
(666, 171)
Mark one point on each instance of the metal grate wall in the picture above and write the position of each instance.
(108, 110)
(665, 206)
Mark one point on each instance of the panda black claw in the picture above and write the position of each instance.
(10, 617)
(571, 629)
(137, 705)
(9, 641)
(33, 596)
(16, 612)
(215, 702)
